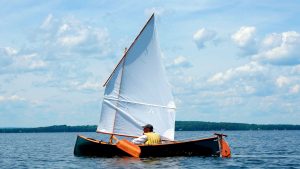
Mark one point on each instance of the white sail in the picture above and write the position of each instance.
(138, 93)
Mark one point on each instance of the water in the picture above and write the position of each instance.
(250, 149)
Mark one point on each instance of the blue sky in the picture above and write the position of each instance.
(230, 61)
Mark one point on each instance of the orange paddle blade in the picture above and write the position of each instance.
(129, 147)
(225, 152)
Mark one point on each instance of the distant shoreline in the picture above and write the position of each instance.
(180, 126)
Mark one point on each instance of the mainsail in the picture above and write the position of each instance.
(137, 92)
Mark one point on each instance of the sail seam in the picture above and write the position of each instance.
(140, 103)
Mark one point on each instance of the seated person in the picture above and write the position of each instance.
(148, 137)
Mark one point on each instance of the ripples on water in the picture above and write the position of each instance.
(251, 149)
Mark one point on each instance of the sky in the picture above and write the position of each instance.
(227, 61)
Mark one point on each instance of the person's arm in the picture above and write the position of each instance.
(140, 140)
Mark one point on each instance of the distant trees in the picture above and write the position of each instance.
(56, 128)
(201, 126)
(179, 126)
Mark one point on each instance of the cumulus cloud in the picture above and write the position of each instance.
(275, 48)
(203, 36)
(257, 80)
(52, 45)
(70, 37)
(245, 39)
(29, 61)
(64, 49)
(280, 49)
(249, 70)
(244, 36)
(14, 60)
(282, 80)
(42, 67)
(181, 61)
(271, 41)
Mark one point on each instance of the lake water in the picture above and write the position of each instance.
(250, 149)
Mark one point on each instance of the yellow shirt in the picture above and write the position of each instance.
(152, 138)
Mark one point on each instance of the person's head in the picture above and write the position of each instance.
(148, 128)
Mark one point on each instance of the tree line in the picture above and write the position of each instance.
(179, 126)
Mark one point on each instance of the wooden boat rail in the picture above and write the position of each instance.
(170, 142)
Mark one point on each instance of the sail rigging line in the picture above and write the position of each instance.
(116, 107)
(128, 50)
(140, 103)
(124, 135)
(131, 118)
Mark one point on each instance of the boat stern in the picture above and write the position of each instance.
(225, 151)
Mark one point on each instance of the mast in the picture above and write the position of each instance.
(122, 60)
(112, 135)
(137, 91)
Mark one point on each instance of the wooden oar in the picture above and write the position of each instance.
(128, 147)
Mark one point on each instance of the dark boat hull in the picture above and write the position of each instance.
(203, 147)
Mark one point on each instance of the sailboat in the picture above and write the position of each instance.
(137, 93)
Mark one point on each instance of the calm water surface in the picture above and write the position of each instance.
(250, 149)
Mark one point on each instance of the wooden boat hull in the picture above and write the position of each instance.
(203, 147)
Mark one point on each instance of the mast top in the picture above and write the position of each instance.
(152, 16)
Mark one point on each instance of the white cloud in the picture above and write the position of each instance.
(10, 51)
(280, 49)
(230, 101)
(62, 48)
(249, 89)
(180, 62)
(203, 36)
(271, 41)
(29, 61)
(275, 48)
(37, 64)
(295, 89)
(47, 22)
(282, 81)
(6, 56)
(70, 37)
(245, 39)
(13, 60)
(244, 36)
(72, 40)
(245, 70)
(63, 28)
(11, 98)
(90, 86)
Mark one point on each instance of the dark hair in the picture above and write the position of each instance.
(149, 126)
